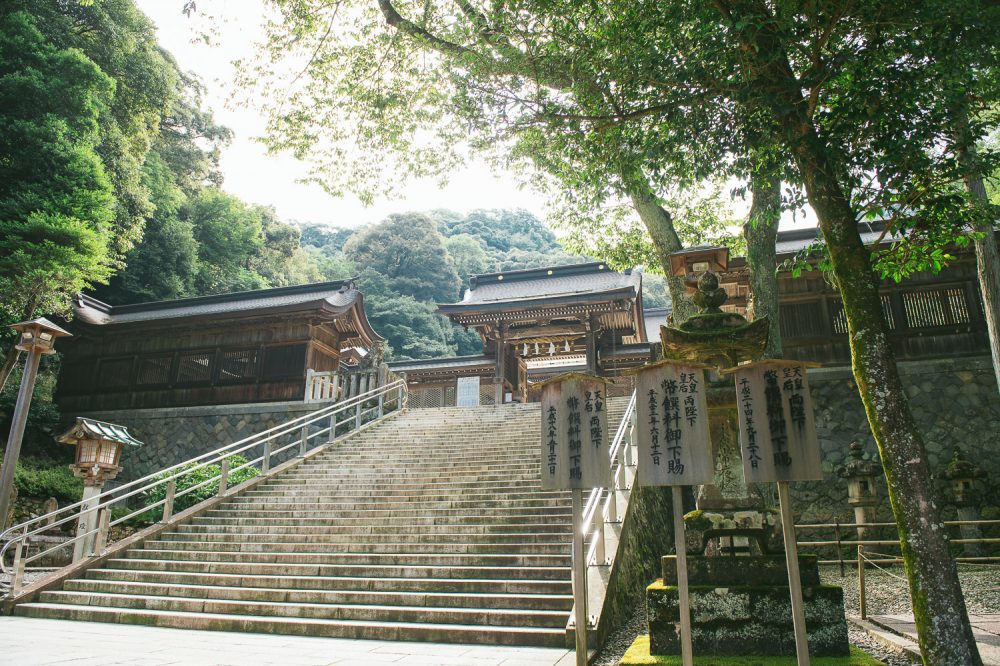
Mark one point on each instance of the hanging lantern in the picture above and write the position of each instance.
(536, 349)
(566, 346)
(525, 352)
(552, 349)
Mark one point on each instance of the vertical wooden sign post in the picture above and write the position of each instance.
(778, 443)
(576, 455)
(674, 450)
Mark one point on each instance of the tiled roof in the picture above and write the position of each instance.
(449, 362)
(547, 283)
(339, 295)
(653, 318)
(94, 429)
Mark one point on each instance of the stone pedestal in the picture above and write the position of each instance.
(740, 607)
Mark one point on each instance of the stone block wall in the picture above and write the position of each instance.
(173, 435)
(955, 403)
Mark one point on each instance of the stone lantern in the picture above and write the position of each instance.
(98, 454)
(862, 491)
(964, 478)
(691, 262)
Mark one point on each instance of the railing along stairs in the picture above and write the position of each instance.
(311, 432)
(608, 506)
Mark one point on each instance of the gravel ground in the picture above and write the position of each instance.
(886, 595)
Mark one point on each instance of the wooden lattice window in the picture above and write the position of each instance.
(153, 371)
(840, 318)
(194, 368)
(114, 373)
(802, 320)
(940, 307)
(238, 366)
(283, 362)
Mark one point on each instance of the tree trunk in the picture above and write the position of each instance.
(761, 232)
(660, 226)
(987, 257)
(942, 620)
(9, 361)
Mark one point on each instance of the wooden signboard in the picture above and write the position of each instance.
(575, 442)
(672, 425)
(777, 426)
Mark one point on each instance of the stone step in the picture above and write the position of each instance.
(344, 570)
(557, 602)
(419, 516)
(363, 612)
(357, 559)
(500, 635)
(420, 537)
(354, 546)
(427, 514)
(292, 582)
(362, 503)
(430, 526)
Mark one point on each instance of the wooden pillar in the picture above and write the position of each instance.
(592, 331)
(501, 361)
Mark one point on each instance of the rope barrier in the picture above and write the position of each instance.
(886, 572)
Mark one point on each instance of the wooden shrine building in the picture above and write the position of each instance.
(240, 348)
(534, 321)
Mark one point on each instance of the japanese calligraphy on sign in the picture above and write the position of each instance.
(777, 427)
(672, 425)
(575, 443)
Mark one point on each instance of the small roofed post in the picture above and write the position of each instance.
(99, 448)
(691, 263)
(38, 337)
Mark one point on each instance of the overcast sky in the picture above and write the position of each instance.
(254, 176)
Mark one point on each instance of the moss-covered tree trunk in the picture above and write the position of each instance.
(943, 628)
(660, 225)
(761, 232)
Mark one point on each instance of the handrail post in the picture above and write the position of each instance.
(309, 384)
(304, 441)
(333, 426)
(265, 463)
(381, 404)
(20, 550)
(168, 501)
(861, 582)
(223, 477)
(357, 416)
(840, 552)
(104, 527)
(613, 500)
(399, 396)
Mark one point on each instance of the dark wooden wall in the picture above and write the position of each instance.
(244, 361)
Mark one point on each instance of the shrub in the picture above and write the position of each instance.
(42, 483)
(193, 478)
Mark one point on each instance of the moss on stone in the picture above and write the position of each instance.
(638, 655)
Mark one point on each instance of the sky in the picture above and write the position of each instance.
(254, 176)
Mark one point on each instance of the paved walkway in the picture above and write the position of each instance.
(986, 628)
(32, 642)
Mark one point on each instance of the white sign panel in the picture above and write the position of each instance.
(575, 446)
(672, 425)
(778, 439)
(467, 394)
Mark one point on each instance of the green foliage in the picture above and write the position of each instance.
(42, 483)
(120, 40)
(193, 478)
(410, 253)
(55, 198)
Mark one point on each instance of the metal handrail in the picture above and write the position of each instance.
(20, 533)
(602, 503)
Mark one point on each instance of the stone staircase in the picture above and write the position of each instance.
(431, 526)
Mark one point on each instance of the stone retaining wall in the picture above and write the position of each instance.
(173, 435)
(955, 403)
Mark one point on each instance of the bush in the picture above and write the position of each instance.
(193, 478)
(42, 483)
